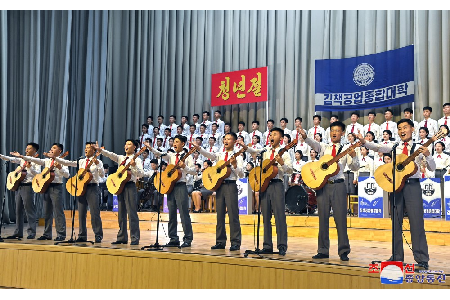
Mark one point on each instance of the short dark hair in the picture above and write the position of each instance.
(299, 152)
(270, 120)
(388, 110)
(171, 139)
(147, 151)
(159, 139)
(408, 109)
(161, 116)
(202, 125)
(279, 130)
(317, 116)
(199, 138)
(198, 165)
(411, 123)
(208, 162)
(218, 111)
(371, 133)
(232, 134)
(288, 137)
(427, 108)
(192, 125)
(186, 117)
(387, 155)
(34, 145)
(179, 126)
(339, 124)
(355, 113)
(60, 146)
(241, 122)
(214, 123)
(298, 118)
(213, 137)
(151, 117)
(135, 143)
(445, 104)
(182, 138)
(284, 119)
(371, 113)
(206, 112)
(173, 116)
(334, 116)
(257, 137)
(154, 161)
(196, 115)
(167, 129)
(145, 125)
(227, 123)
(255, 121)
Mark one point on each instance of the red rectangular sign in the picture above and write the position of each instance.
(244, 86)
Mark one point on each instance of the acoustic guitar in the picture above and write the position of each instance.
(214, 176)
(16, 177)
(42, 181)
(269, 171)
(170, 175)
(76, 185)
(405, 167)
(315, 174)
(115, 183)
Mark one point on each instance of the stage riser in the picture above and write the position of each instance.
(57, 267)
(358, 228)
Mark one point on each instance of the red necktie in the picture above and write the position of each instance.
(333, 152)
(210, 149)
(164, 145)
(426, 123)
(53, 162)
(438, 156)
(123, 163)
(272, 155)
(315, 130)
(296, 136)
(387, 125)
(87, 162)
(177, 159)
(142, 138)
(223, 149)
(364, 159)
(267, 140)
(380, 159)
(226, 156)
(445, 123)
(24, 165)
(405, 149)
(369, 127)
(253, 134)
(353, 128)
(298, 162)
(423, 175)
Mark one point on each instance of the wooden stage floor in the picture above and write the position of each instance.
(300, 250)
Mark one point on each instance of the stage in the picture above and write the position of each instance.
(41, 264)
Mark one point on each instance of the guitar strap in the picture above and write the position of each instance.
(412, 148)
(340, 149)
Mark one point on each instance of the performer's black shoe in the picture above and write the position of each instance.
(80, 240)
(282, 251)
(119, 242)
(98, 239)
(422, 264)
(59, 239)
(44, 238)
(320, 256)
(344, 256)
(134, 243)
(172, 244)
(31, 237)
(218, 246)
(13, 237)
(235, 247)
(185, 244)
(266, 251)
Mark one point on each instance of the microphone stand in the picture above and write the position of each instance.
(72, 240)
(258, 251)
(156, 246)
(3, 202)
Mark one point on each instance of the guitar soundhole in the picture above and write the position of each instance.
(324, 167)
(80, 178)
(218, 171)
(400, 167)
(120, 175)
(45, 175)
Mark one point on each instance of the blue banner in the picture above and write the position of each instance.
(447, 197)
(431, 195)
(365, 82)
(370, 200)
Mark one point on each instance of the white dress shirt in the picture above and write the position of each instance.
(142, 138)
(247, 139)
(443, 121)
(136, 170)
(392, 126)
(375, 128)
(97, 171)
(46, 163)
(146, 165)
(266, 138)
(208, 126)
(347, 160)
(173, 129)
(258, 133)
(432, 126)
(365, 165)
(32, 171)
(216, 156)
(161, 127)
(220, 126)
(171, 160)
(297, 165)
(442, 160)
(355, 127)
(378, 161)
(431, 165)
(282, 170)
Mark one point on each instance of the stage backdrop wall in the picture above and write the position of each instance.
(72, 76)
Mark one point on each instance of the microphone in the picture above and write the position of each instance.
(395, 145)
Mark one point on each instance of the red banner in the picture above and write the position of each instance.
(244, 86)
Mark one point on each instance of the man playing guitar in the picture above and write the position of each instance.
(334, 192)
(91, 195)
(227, 194)
(24, 194)
(273, 196)
(410, 197)
(178, 197)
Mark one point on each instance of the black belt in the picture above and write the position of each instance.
(180, 183)
(25, 184)
(55, 184)
(276, 180)
(412, 180)
(229, 181)
(130, 182)
(92, 184)
(335, 181)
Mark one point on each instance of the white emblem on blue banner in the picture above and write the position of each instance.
(363, 74)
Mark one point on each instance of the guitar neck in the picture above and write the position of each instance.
(437, 136)
(281, 152)
(228, 162)
(136, 155)
(88, 167)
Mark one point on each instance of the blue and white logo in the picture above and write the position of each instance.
(391, 274)
(364, 74)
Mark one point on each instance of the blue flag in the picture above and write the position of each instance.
(365, 82)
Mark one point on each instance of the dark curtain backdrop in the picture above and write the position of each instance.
(77, 76)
